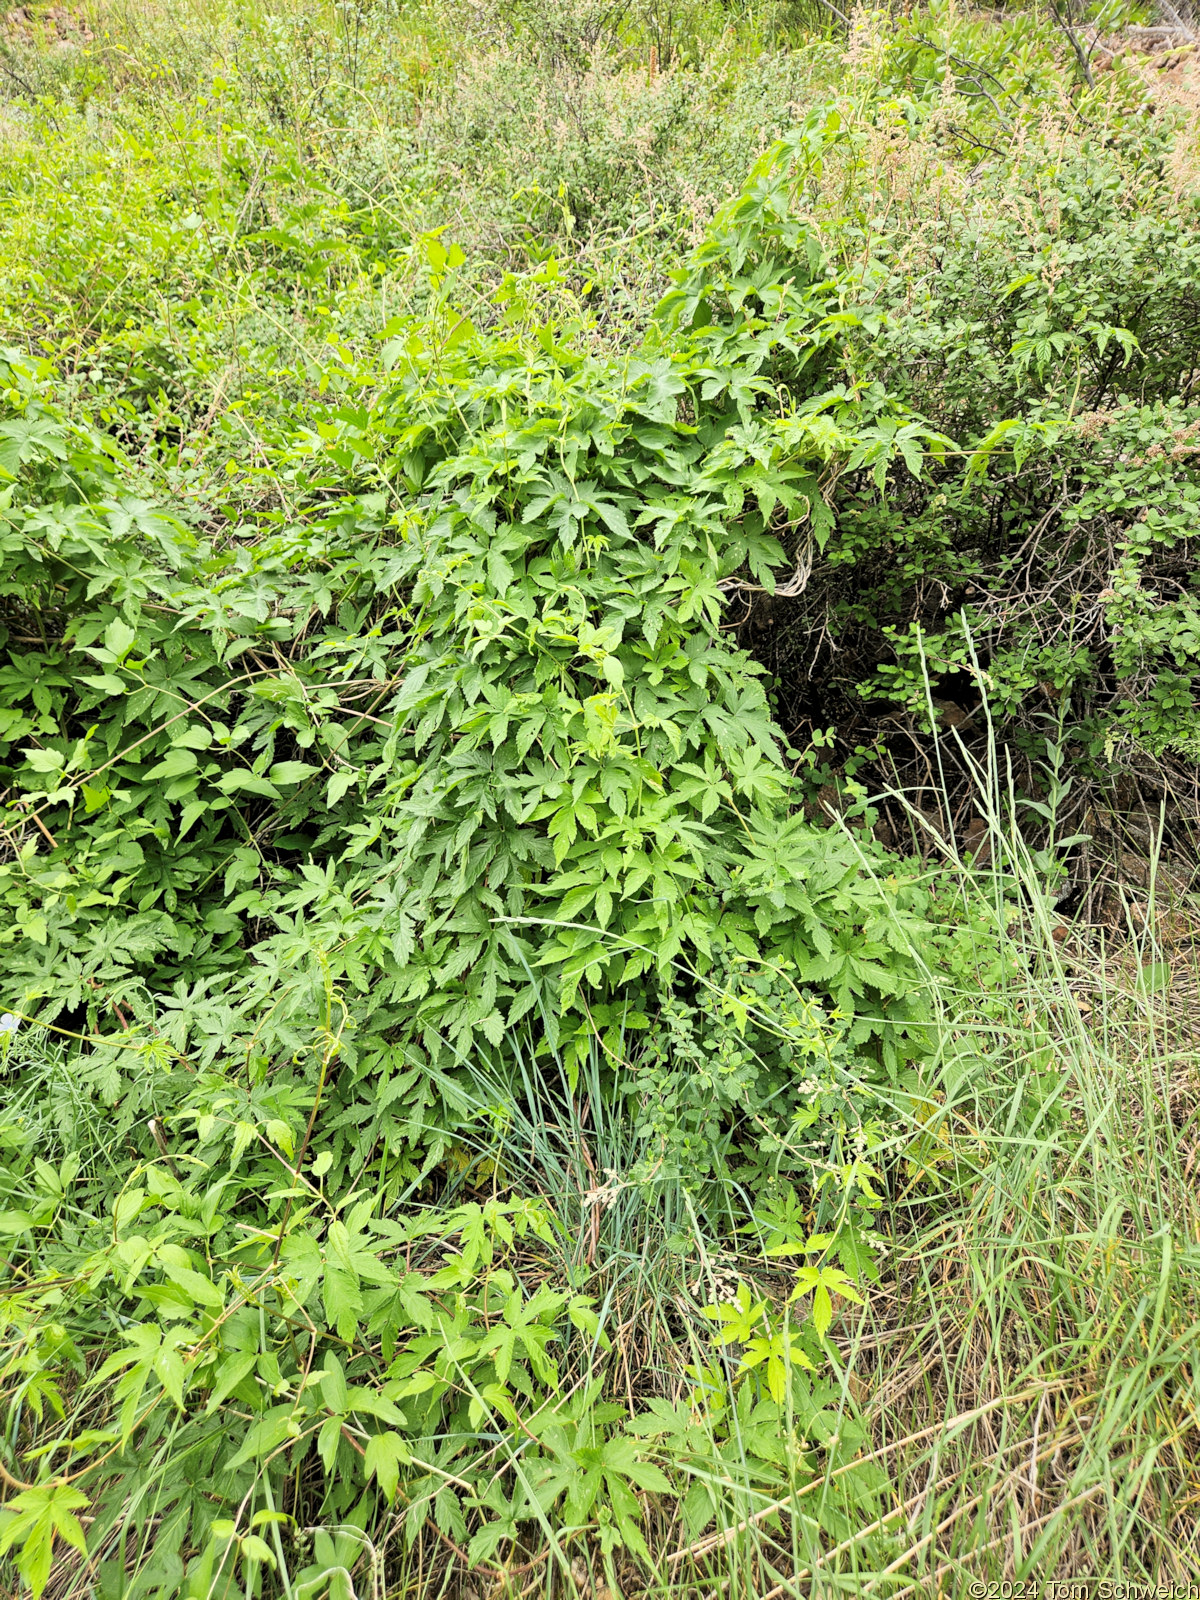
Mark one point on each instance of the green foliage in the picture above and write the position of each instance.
(1052, 339)
(218, 1306)
(317, 795)
(479, 689)
(434, 1011)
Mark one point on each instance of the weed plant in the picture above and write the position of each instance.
(1016, 1394)
(553, 695)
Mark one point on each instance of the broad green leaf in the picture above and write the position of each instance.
(44, 760)
(292, 771)
(266, 1435)
(241, 780)
(119, 638)
(333, 1385)
(229, 1374)
(386, 1453)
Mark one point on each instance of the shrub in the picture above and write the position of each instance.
(1042, 311)
(429, 981)
(472, 715)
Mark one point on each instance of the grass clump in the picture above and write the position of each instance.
(513, 1085)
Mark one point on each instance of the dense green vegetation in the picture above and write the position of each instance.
(578, 584)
